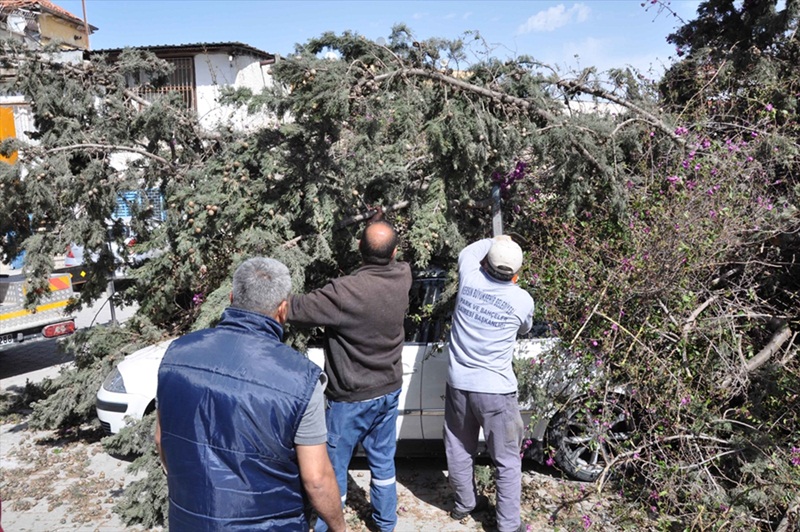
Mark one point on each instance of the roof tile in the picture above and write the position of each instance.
(45, 5)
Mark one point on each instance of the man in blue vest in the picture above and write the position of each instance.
(241, 421)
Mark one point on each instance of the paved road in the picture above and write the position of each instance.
(44, 503)
(29, 358)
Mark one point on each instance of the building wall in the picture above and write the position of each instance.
(213, 71)
(7, 130)
(23, 116)
(54, 29)
(22, 112)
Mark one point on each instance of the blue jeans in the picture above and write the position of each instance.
(373, 424)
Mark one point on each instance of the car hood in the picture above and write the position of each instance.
(151, 352)
(139, 370)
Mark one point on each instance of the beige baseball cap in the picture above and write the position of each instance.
(505, 256)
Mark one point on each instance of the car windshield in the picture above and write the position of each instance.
(425, 321)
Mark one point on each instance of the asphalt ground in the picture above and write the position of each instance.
(32, 361)
(44, 479)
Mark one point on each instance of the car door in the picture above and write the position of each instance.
(419, 329)
(434, 382)
(426, 333)
(408, 419)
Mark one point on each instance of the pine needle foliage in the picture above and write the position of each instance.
(660, 220)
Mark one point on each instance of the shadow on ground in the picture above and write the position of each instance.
(33, 356)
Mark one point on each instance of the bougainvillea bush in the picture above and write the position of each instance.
(677, 297)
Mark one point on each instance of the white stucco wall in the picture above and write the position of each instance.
(23, 116)
(215, 70)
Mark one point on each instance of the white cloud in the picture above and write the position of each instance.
(554, 18)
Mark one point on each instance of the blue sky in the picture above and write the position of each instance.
(599, 33)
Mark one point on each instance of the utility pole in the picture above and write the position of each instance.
(85, 23)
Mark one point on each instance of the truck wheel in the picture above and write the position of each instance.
(588, 432)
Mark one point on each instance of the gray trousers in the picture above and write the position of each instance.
(464, 415)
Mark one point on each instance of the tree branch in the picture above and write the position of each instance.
(202, 134)
(589, 317)
(368, 214)
(790, 354)
(483, 91)
(792, 517)
(635, 337)
(352, 220)
(763, 356)
(110, 147)
(634, 453)
(489, 93)
(693, 316)
(135, 97)
(600, 93)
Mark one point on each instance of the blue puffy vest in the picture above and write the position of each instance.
(230, 400)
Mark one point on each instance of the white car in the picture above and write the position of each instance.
(581, 434)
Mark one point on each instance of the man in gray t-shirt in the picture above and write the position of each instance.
(481, 387)
(241, 418)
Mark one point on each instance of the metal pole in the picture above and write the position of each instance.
(85, 23)
(497, 214)
(110, 288)
(111, 291)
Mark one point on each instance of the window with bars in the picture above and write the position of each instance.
(180, 81)
(133, 199)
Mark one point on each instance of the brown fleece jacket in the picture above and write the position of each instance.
(363, 318)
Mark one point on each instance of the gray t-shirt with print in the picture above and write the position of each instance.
(488, 316)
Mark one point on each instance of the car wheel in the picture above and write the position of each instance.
(588, 432)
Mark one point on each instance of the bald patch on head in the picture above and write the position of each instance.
(379, 234)
(378, 243)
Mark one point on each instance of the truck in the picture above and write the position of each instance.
(20, 322)
(47, 319)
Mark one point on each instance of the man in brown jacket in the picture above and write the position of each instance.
(363, 318)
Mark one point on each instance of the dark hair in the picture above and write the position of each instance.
(495, 273)
(377, 252)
